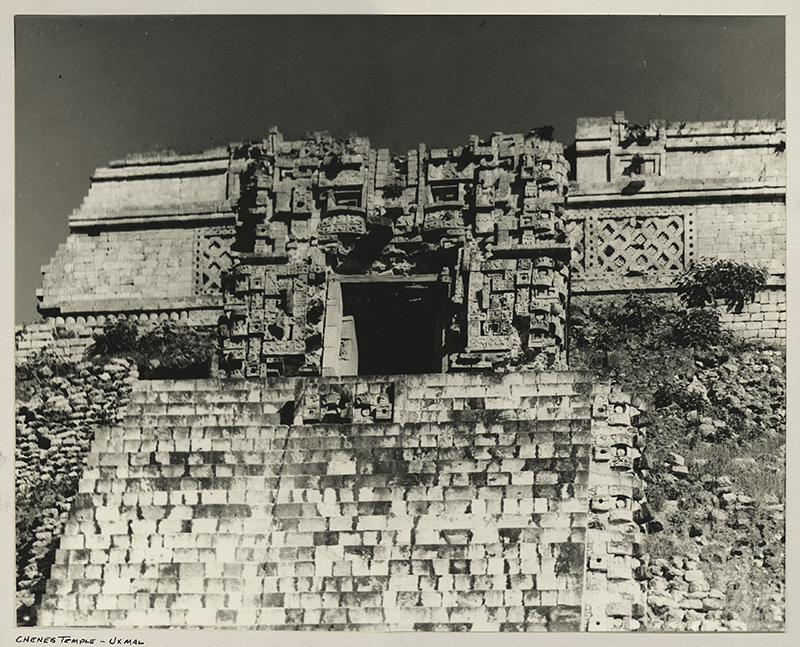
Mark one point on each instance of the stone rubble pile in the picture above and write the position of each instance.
(681, 599)
(727, 527)
(54, 432)
(716, 463)
(750, 386)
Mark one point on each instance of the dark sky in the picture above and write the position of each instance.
(93, 89)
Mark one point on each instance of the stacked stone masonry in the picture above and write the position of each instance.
(439, 502)
(650, 199)
(611, 149)
(65, 341)
(251, 237)
(68, 338)
(160, 233)
(763, 319)
(474, 483)
(484, 221)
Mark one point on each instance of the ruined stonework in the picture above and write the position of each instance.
(151, 238)
(477, 231)
(394, 440)
(278, 243)
(483, 227)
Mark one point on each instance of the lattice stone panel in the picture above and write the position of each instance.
(643, 244)
(212, 258)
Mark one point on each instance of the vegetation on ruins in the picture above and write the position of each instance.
(164, 351)
(714, 463)
(715, 451)
(710, 280)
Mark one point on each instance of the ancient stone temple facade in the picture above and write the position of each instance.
(440, 260)
(457, 230)
(464, 249)
(394, 440)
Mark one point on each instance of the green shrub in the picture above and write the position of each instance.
(639, 313)
(167, 350)
(709, 280)
(585, 324)
(62, 332)
(393, 191)
(172, 351)
(700, 328)
(640, 320)
(117, 338)
(669, 393)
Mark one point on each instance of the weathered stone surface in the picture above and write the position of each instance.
(650, 175)
(401, 524)
(488, 494)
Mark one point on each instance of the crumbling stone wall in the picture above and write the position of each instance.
(61, 405)
(68, 338)
(66, 341)
(502, 493)
(110, 269)
(159, 234)
(712, 153)
(763, 319)
(152, 236)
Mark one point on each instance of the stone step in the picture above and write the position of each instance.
(86, 563)
(428, 380)
(214, 418)
(316, 529)
(504, 618)
(244, 412)
(173, 396)
(426, 486)
(523, 457)
(213, 451)
(533, 544)
(506, 401)
(420, 499)
(211, 419)
(247, 411)
(483, 432)
(488, 457)
(441, 486)
(485, 445)
(185, 595)
(479, 396)
(493, 546)
(329, 580)
(489, 416)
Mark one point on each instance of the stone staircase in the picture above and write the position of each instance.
(429, 502)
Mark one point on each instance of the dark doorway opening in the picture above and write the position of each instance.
(398, 325)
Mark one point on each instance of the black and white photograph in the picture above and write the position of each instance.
(399, 323)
